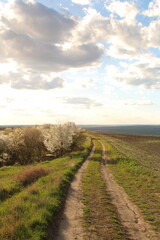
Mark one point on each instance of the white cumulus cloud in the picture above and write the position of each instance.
(82, 2)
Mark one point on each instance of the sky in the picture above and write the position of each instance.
(86, 61)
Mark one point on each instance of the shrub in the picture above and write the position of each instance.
(78, 140)
(26, 145)
(31, 174)
(33, 149)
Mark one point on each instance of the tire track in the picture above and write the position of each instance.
(130, 215)
(72, 218)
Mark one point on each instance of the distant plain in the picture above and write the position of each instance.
(125, 129)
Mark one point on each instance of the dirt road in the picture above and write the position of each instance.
(130, 215)
(71, 223)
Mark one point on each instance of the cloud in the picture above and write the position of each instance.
(82, 2)
(123, 9)
(34, 36)
(38, 21)
(44, 56)
(153, 34)
(37, 38)
(140, 103)
(41, 41)
(82, 102)
(144, 73)
(120, 34)
(32, 80)
(38, 83)
(153, 9)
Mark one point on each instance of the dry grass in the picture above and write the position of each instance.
(31, 174)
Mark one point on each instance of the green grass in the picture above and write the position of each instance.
(100, 218)
(28, 214)
(141, 184)
(8, 174)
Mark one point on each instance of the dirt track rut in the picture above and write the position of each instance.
(130, 215)
(71, 223)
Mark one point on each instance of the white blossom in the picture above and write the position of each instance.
(59, 137)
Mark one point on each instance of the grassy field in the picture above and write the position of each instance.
(27, 210)
(138, 174)
(100, 219)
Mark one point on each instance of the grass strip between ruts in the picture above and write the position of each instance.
(100, 217)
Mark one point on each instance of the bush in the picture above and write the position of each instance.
(31, 174)
(78, 140)
(26, 145)
(34, 148)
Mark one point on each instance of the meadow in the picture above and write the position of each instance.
(28, 208)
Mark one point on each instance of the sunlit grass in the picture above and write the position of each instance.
(28, 214)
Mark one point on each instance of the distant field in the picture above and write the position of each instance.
(145, 149)
(128, 129)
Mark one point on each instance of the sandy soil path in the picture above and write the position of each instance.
(130, 215)
(71, 223)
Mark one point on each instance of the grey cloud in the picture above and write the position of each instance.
(82, 101)
(39, 21)
(145, 74)
(144, 82)
(38, 83)
(46, 56)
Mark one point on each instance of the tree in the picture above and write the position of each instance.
(59, 138)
